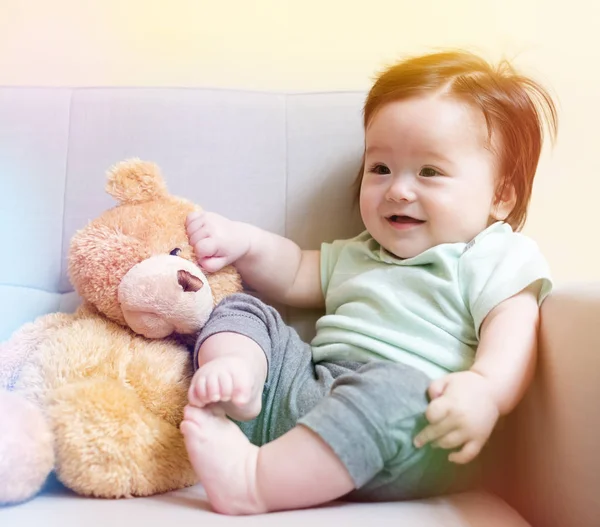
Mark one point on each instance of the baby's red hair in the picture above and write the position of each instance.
(516, 110)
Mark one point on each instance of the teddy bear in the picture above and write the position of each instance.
(98, 395)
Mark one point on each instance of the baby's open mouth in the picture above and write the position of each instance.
(404, 219)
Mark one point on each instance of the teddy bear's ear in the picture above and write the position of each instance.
(135, 181)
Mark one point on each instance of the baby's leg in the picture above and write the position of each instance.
(358, 437)
(234, 472)
(241, 478)
(232, 370)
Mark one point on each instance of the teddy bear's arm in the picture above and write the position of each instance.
(23, 343)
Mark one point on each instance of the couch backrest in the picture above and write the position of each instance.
(284, 162)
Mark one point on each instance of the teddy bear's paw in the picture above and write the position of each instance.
(108, 444)
(26, 449)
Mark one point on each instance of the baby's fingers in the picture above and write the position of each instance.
(467, 454)
(212, 265)
(205, 248)
(196, 229)
(432, 433)
(194, 219)
(452, 439)
(196, 236)
(437, 410)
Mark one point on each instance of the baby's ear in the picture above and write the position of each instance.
(135, 181)
(505, 201)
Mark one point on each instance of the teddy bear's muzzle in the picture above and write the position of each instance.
(165, 294)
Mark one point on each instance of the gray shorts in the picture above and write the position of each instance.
(368, 413)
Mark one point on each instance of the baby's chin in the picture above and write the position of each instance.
(405, 253)
(409, 244)
(404, 250)
(405, 243)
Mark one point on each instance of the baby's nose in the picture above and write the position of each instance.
(401, 189)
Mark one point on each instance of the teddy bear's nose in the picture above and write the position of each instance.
(188, 281)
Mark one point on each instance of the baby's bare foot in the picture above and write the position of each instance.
(231, 382)
(224, 461)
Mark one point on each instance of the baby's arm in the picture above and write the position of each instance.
(466, 405)
(278, 268)
(272, 265)
(507, 350)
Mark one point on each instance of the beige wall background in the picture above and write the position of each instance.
(307, 45)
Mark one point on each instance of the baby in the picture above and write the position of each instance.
(431, 314)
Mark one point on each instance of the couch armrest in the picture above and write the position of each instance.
(551, 441)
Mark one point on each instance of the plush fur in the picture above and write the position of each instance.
(98, 395)
(26, 448)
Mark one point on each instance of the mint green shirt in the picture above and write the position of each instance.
(424, 311)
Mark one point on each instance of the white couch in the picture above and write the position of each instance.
(286, 163)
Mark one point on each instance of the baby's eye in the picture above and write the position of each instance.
(380, 169)
(429, 172)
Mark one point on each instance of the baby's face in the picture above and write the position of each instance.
(429, 177)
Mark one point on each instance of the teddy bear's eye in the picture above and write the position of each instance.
(175, 252)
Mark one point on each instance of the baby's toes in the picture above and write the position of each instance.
(197, 394)
(225, 386)
(213, 388)
(192, 418)
(241, 391)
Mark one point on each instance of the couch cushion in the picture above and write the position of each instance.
(19, 305)
(34, 131)
(324, 150)
(222, 149)
(265, 158)
(59, 508)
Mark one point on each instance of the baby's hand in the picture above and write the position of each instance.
(462, 413)
(217, 241)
